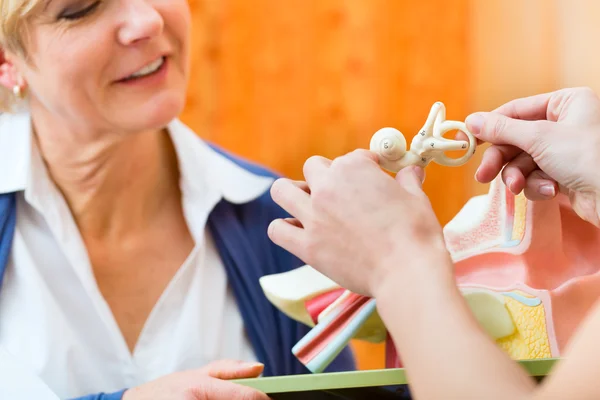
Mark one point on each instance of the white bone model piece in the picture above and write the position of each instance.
(428, 145)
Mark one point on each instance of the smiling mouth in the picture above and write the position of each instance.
(148, 70)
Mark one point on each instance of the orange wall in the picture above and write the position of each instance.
(280, 81)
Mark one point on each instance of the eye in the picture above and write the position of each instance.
(73, 15)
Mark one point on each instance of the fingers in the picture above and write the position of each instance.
(221, 390)
(302, 185)
(529, 108)
(315, 167)
(287, 234)
(493, 160)
(516, 172)
(222, 371)
(460, 135)
(411, 179)
(521, 173)
(233, 369)
(494, 128)
(368, 154)
(540, 186)
(292, 196)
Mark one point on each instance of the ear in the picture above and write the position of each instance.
(9, 76)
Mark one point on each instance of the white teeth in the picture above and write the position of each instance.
(148, 69)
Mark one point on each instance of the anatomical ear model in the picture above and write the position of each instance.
(528, 271)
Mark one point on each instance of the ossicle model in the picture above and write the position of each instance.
(428, 145)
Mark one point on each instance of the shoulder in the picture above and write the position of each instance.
(265, 200)
(206, 166)
(256, 215)
(249, 166)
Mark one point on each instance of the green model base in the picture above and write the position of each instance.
(372, 384)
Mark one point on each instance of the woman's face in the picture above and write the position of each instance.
(115, 64)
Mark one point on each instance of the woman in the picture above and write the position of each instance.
(396, 253)
(129, 249)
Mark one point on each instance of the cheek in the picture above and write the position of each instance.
(180, 11)
(62, 75)
(177, 19)
(59, 85)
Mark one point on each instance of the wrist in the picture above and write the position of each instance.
(401, 277)
(421, 264)
(416, 294)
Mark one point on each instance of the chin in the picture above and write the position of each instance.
(156, 113)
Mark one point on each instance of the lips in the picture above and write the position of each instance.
(146, 69)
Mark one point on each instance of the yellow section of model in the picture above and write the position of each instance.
(520, 217)
(489, 309)
(530, 340)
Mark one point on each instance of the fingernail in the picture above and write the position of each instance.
(271, 228)
(251, 365)
(477, 174)
(420, 172)
(254, 364)
(474, 123)
(547, 190)
(509, 183)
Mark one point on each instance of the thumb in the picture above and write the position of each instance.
(230, 369)
(499, 129)
(411, 178)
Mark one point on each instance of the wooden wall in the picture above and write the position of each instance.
(279, 81)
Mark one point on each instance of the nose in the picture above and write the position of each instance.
(140, 21)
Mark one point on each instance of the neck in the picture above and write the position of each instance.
(114, 184)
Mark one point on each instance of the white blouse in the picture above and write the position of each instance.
(53, 317)
(17, 382)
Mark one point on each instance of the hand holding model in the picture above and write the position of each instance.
(543, 144)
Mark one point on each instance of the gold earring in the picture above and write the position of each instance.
(17, 91)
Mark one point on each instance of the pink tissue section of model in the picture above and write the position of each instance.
(553, 251)
(540, 250)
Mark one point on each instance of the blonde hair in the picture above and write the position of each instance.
(13, 14)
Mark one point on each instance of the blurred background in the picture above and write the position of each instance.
(279, 81)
